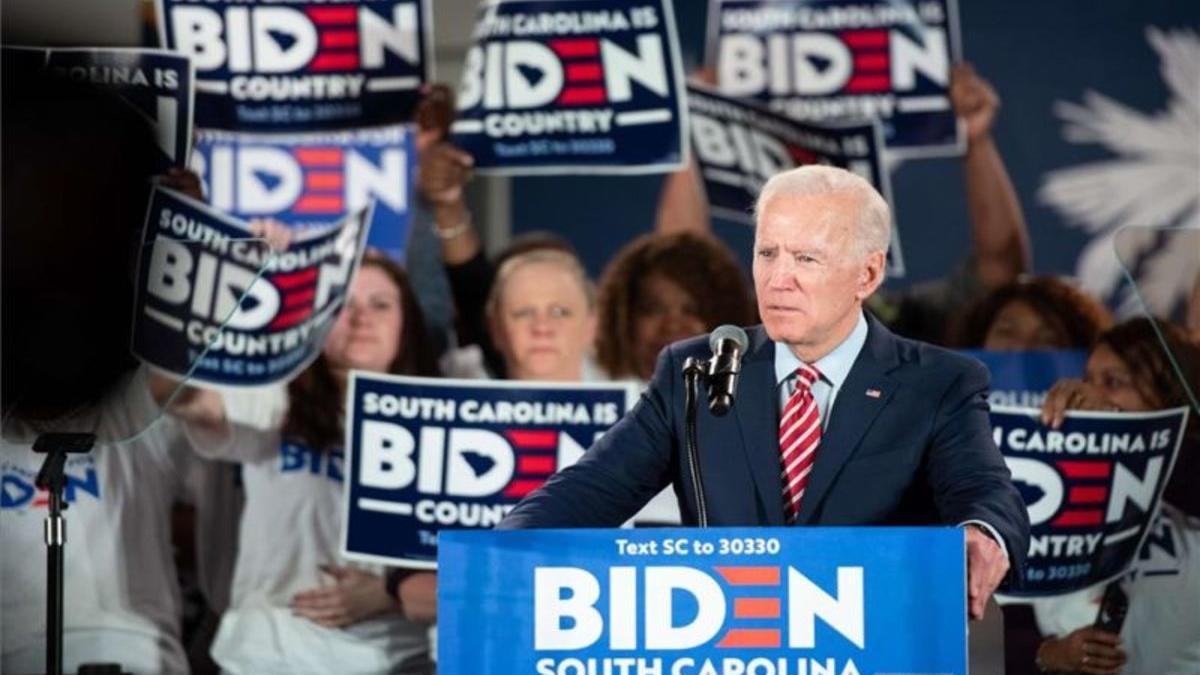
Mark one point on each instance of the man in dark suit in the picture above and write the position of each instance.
(837, 421)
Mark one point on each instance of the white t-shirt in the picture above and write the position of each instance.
(1162, 628)
(291, 526)
(121, 600)
(1161, 633)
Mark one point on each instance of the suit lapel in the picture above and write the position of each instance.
(758, 418)
(854, 409)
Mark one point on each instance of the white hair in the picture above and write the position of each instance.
(875, 218)
(568, 262)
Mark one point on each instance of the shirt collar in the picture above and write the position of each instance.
(834, 366)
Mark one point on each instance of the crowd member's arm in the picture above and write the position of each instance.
(444, 173)
(183, 180)
(206, 427)
(423, 252)
(682, 206)
(355, 595)
(1086, 650)
(999, 236)
(415, 594)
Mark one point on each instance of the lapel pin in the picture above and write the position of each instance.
(874, 393)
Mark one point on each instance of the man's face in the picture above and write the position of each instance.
(808, 275)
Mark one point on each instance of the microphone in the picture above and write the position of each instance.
(727, 343)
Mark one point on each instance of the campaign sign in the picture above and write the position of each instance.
(1091, 487)
(592, 86)
(817, 60)
(223, 309)
(305, 64)
(719, 601)
(157, 83)
(739, 145)
(1023, 378)
(429, 455)
(313, 178)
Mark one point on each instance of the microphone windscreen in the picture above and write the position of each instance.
(728, 332)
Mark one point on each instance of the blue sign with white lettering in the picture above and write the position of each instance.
(313, 179)
(427, 455)
(1023, 378)
(216, 305)
(816, 60)
(304, 64)
(592, 86)
(155, 82)
(739, 145)
(783, 601)
(1091, 488)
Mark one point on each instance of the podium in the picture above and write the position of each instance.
(719, 601)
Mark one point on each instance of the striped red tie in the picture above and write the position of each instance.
(799, 436)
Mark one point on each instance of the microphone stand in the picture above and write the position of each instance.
(53, 479)
(695, 371)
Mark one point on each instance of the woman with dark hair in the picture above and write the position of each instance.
(661, 288)
(1138, 366)
(1142, 364)
(296, 604)
(1035, 313)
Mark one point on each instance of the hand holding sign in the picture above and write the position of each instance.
(434, 115)
(444, 173)
(201, 408)
(276, 234)
(975, 102)
(1071, 394)
(1087, 650)
(183, 180)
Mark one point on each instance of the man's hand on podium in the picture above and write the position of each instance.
(986, 566)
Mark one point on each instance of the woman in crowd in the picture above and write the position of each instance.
(661, 288)
(1129, 370)
(297, 606)
(541, 312)
(1035, 313)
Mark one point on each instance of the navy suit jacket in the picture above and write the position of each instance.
(918, 453)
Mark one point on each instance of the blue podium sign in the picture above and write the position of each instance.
(779, 601)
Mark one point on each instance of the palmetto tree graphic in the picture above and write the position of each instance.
(1151, 184)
